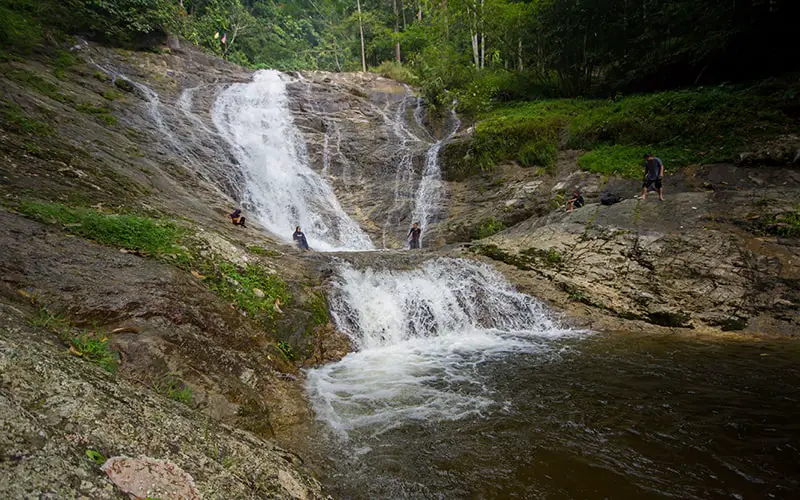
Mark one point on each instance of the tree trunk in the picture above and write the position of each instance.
(361, 32)
(474, 34)
(419, 10)
(403, 10)
(483, 40)
(519, 54)
(396, 31)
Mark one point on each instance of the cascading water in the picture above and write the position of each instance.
(281, 190)
(419, 334)
(429, 195)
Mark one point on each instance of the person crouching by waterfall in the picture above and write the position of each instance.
(237, 218)
(414, 233)
(300, 239)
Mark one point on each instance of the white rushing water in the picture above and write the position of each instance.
(428, 200)
(281, 190)
(419, 335)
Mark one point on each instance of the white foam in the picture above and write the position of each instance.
(420, 335)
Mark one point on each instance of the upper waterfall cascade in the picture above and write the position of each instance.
(281, 190)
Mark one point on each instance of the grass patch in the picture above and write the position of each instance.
(257, 250)
(141, 234)
(174, 388)
(252, 289)
(94, 349)
(112, 95)
(286, 350)
(682, 127)
(50, 320)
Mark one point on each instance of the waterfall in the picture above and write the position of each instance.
(404, 170)
(281, 190)
(419, 334)
(430, 191)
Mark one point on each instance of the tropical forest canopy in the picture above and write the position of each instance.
(478, 51)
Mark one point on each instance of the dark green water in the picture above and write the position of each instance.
(608, 416)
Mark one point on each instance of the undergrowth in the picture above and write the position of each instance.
(682, 127)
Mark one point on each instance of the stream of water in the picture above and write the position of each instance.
(463, 388)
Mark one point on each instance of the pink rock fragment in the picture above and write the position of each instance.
(145, 477)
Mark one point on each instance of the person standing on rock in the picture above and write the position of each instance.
(414, 233)
(300, 239)
(653, 173)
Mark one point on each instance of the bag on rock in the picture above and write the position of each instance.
(609, 198)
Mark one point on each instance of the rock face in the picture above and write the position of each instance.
(56, 408)
(364, 134)
(696, 260)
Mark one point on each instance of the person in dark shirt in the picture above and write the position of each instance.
(576, 201)
(414, 233)
(237, 218)
(300, 239)
(653, 172)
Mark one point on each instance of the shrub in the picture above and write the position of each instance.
(396, 71)
(487, 228)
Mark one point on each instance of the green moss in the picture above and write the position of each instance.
(286, 350)
(20, 121)
(141, 234)
(318, 305)
(525, 260)
(35, 82)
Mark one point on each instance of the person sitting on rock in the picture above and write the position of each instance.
(414, 233)
(300, 239)
(237, 218)
(576, 201)
(653, 172)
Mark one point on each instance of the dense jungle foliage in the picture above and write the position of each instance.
(478, 51)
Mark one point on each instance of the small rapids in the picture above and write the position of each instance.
(419, 336)
(281, 190)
